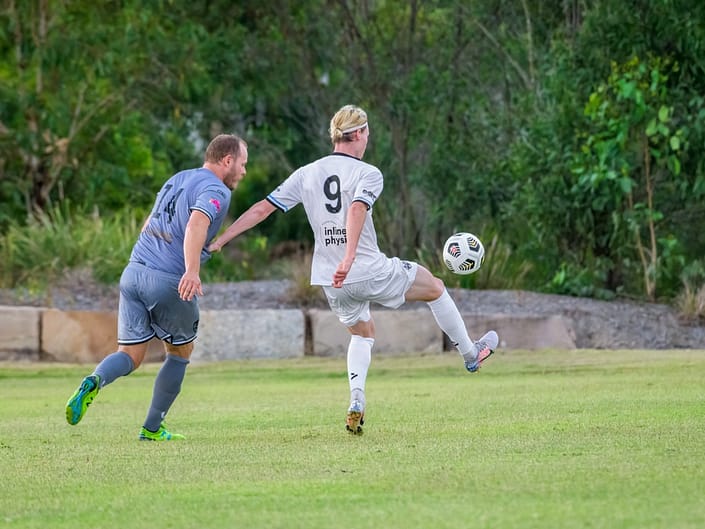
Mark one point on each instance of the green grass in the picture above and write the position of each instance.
(589, 439)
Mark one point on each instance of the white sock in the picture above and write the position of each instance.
(451, 322)
(359, 358)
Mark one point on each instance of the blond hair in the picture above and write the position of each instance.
(346, 121)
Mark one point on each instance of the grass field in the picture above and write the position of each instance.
(588, 439)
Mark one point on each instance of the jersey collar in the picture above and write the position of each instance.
(346, 155)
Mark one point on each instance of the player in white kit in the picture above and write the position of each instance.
(338, 192)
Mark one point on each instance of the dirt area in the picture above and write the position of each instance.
(596, 324)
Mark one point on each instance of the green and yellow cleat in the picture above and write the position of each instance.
(160, 435)
(78, 403)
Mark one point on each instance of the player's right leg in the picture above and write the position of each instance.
(134, 331)
(358, 359)
(355, 417)
(117, 364)
(354, 312)
(80, 400)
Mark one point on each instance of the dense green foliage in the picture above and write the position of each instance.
(567, 134)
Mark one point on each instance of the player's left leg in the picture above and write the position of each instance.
(482, 349)
(426, 287)
(176, 324)
(167, 387)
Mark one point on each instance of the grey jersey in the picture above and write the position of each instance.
(161, 244)
(327, 188)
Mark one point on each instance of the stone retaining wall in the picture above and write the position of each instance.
(38, 334)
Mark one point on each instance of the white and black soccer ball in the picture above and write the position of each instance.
(463, 253)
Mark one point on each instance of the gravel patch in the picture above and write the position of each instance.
(597, 324)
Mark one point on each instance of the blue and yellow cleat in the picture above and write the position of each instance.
(78, 403)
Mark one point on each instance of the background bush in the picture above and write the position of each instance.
(567, 135)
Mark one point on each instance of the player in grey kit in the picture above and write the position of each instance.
(338, 192)
(160, 284)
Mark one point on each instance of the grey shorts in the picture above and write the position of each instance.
(150, 306)
(351, 303)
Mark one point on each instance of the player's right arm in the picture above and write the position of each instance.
(194, 239)
(249, 219)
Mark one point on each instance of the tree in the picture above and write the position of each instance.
(86, 89)
(610, 195)
(634, 148)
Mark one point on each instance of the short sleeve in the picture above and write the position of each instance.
(288, 194)
(369, 187)
(212, 201)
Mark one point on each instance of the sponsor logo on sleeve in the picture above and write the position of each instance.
(369, 194)
(215, 203)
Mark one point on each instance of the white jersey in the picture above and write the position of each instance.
(327, 188)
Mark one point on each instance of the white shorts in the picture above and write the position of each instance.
(351, 303)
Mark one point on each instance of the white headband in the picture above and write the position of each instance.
(353, 129)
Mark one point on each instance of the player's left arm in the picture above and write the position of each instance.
(194, 240)
(355, 220)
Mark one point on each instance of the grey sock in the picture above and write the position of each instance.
(117, 364)
(167, 386)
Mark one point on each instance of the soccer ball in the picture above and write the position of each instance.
(463, 253)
